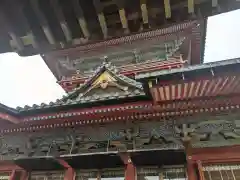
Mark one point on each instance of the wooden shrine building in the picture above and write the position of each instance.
(140, 102)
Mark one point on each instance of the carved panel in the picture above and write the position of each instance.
(115, 137)
(166, 134)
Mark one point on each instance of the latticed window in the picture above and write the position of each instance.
(165, 173)
(104, 174)
(5, 176)
(222, 172)
(52, 175)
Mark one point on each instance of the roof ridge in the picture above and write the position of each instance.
(106, 65)
(7, 108)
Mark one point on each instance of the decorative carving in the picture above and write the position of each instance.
(121, 137)
(188, 132)
(106, 83)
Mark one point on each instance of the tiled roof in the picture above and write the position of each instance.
(80, 95)
(6, 109)
(106, 66)
(188, 68)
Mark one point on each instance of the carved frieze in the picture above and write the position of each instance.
(168, 134)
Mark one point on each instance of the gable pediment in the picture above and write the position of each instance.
(106, 84)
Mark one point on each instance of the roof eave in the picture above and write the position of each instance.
(206, 66)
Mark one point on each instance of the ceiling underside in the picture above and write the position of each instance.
(101, 161)
(36, 26)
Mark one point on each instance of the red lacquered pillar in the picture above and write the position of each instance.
(130, 171)
(191, 171)
(69, 174)
(13, 174)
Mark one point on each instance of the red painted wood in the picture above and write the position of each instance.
(24, 175)
(182, 28)
(13, 175)
(200, 171)
(130, 172)
(64, 163)
(130, 169)
(69, 174)
(6, 167)
(191, 172)
(10, 118)
(229, 154)
(84, 110)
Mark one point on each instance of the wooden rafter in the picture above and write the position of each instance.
(29, 38)
(42, 19)
(101, 17)
(167, 9)
(214, 3)
(122, 14)
(61, 19)
(15, 39)
(216, 155)
(144, 10)
(191, 6)
(81, 20)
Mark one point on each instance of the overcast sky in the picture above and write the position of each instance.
(27, 81)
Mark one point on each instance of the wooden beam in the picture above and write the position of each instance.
(144, 10)
(167, 9)
(8, 117)
(214, 3)
(216, 154)
(63, 23)
(15, 41)
(124, 20)
(101, 17)
(17, 6)
(9, 166)
(190, 6)
(42, 19)
(122, 15)
(81, 20)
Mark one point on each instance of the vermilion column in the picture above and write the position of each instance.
(24, 175)
(13, 174)
(69, 174)
(130, 169)
(191, 171)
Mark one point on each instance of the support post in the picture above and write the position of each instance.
(200, 171)
(130, 170)
(70, 172)
(24, 175)
(191, 171)
(13, 175)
